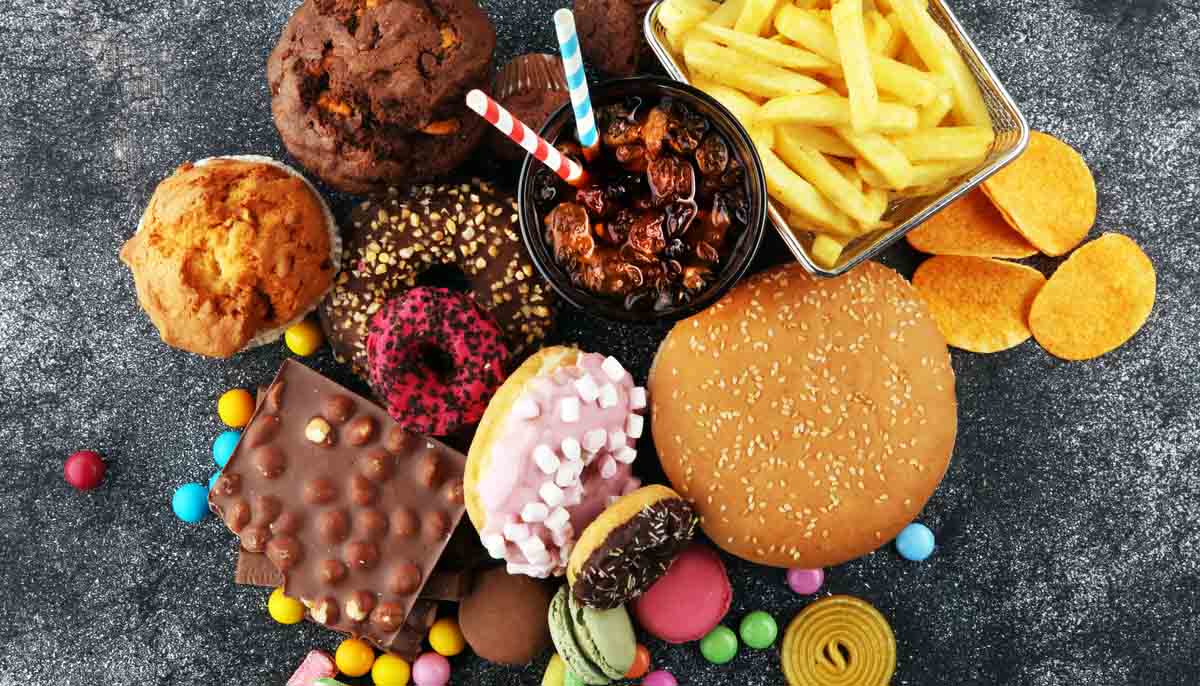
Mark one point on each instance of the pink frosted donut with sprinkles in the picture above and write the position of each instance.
(555, 448)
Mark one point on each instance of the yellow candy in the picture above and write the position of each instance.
(283, 609)
(390, 670)
(354, 657)
(556, 672)
(235, 407)
(446, 638)
(304, 338)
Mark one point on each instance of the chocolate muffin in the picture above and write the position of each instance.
(370, 93)
(610, 33)
(531, 87)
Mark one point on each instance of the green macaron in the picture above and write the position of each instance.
(606, 637)
(563, 634)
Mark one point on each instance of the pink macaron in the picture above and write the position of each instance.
(689, 601)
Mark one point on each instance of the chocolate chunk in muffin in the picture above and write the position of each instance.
(370, 93)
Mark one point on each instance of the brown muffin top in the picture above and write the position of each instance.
(228, 250)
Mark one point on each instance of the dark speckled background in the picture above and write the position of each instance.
(1068, 525)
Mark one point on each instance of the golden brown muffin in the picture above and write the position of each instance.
(806, 421)
(229, 252)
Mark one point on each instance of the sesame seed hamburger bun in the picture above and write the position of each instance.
(807, 421)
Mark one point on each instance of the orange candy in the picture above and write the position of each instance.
(641, 663)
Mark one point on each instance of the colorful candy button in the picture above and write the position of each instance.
(641, 663)
(223, 446)
(556, 672)
(915, 543)
(431, 669)
(84, 470)
(806, 581)
(720, 646)
(190, 503)
(759, 630)
(235, 407)
(446, 638)
(660, 678)
(390, 670)
(304, 338)
(283, 609)
(354, 657)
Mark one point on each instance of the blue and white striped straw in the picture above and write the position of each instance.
(568, 43)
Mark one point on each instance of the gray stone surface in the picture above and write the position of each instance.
(1068, 526)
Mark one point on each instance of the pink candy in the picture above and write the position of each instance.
(659, 678)
(806, 581)
(431, 669)
(317, 665)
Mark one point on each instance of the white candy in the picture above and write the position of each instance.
(564, 537)
(573, 496)
(496, 546)
(626, 455)
(526, 408)
(535, 571)
(608, 396)
(616, 440)
(637, 398)
(588, 390)
(608, 469)
(565, 549)
(594, 440)
(535, 512)
(568, 474)
(535, 550)
(546, 460)
(613, 369)
(570, 410)
(551, 494)
(571, 449)
(516, 532)
(634, 425)
(558, 520)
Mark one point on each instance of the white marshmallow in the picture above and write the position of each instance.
(608, 396)
(564, 537)
(634, 425)
(535, 571)
(571, 449)
(573, 496)
(608, 469)
(588, 390)
(496, 546)
(626, 455)
(637, 398)
(535, 550)
(558, 520)
(570, 410)
(565, 550)
(526, 408)
(534, 512)
(594, 440)
(613, 369)
(546, 460)
(616, 441)
(516, 532)
(568, 474)
(551, 494)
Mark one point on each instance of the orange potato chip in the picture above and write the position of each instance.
(970, 226)
(1047, 194)
(980, 304)
(1096, 301)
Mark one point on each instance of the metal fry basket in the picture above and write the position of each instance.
(1012, 137)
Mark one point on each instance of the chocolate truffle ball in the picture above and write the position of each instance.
(504, 619)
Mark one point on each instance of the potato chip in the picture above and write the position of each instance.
(1096, 301)
(980, 304)
(1047, 194)
(970, 226)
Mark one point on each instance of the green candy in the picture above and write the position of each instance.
(720, 646)
(759, 630)
(572, 680)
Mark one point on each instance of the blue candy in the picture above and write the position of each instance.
(212, 480)
(915, 543)
(190, 502)
(223, 447)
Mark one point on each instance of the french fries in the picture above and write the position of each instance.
(852, 104)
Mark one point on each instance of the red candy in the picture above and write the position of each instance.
(436, 358)
(84, 470)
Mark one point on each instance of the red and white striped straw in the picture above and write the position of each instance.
(522, 135)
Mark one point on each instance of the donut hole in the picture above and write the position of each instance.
(448, 276)
(437, 361)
